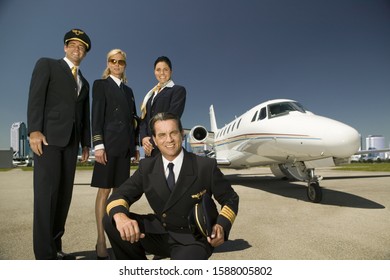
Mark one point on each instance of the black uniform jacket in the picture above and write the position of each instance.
(54, 106)
(171, 209)
(113, 117)
(170, 99)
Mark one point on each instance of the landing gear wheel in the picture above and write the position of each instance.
(314, 192)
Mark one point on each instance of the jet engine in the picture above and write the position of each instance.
(198, 134)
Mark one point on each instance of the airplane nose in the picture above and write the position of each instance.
(341, 140)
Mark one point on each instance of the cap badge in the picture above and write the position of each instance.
(77, 32)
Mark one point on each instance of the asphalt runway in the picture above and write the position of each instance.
(275, 219)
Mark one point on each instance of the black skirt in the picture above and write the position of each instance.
(113, 174)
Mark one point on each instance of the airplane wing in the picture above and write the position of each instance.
(365, 152)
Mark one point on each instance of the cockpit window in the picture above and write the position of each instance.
(263, 114)
(284, 108)
(254, 116)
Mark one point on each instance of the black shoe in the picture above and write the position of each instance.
(64, 256)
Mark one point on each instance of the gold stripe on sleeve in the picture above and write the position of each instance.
(228, 214)
(97, 138)
(115, 203)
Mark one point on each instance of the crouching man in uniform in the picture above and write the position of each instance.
(172, 192)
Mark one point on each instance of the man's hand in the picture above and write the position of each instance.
(128, 228)
(217, 237)
(36, 140)
(85, 154)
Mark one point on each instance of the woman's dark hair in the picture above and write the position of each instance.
(163, 59)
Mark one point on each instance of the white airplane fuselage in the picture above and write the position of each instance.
(293, 135)
(282, 134)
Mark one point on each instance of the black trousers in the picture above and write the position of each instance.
(164, 245)
(54, 173)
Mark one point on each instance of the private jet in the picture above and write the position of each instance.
(281, 134)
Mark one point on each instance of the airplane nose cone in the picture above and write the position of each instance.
(342, 140)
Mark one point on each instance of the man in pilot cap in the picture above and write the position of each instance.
(58, 120)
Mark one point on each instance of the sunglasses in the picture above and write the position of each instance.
(119, 61)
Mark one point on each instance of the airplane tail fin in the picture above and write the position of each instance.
(213, 122)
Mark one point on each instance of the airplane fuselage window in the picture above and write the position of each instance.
(238, 124)
(234, 124)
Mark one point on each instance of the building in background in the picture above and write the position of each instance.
(375, 142)
(19, 142)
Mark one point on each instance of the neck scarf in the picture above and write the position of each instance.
(156, 89)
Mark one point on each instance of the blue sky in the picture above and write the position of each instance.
(330, 55)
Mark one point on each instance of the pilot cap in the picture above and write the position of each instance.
(78, 35)
(203, 216)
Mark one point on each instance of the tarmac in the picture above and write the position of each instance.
(275, 220)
